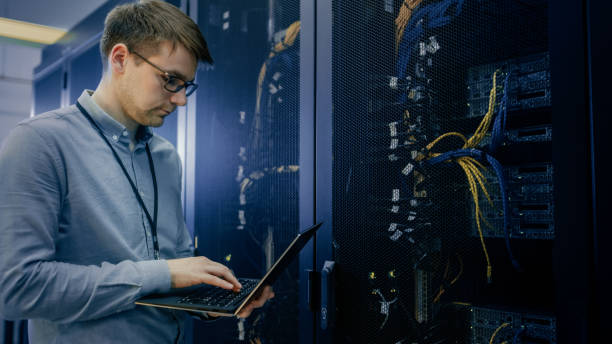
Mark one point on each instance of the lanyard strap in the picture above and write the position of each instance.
(152, 221)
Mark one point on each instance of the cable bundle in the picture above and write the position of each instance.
(290, 36)
(468, 158)
(403, 18)
(515, 337)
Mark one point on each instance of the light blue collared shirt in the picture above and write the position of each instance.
(75, 245)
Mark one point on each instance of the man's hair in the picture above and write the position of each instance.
(144, 25)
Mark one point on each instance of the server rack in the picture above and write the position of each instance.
(405, 235)
(348, 43)
(248, 159)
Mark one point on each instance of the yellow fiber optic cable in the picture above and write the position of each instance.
(290, 36)
(472, 168)
(445, 276)
(497, 330)
(472, 163)
(452, 133)
(474, 190)
(403, 18)
(484, 125)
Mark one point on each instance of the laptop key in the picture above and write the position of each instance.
(219, 297)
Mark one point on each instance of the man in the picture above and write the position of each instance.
(90, 209)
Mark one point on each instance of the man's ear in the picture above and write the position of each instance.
(117, 58)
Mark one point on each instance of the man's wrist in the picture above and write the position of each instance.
(155, 276)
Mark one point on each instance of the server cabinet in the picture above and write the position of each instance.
(247, 156)
(452, 213)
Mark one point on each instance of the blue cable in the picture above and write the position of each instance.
(502, 187)
(427, 17)
(499, 126)
(518, 334)
(497, 167)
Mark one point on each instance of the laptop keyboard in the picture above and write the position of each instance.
(218, 297)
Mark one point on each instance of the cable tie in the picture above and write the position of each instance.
(394, 143)
(396, 235)
(408, 169)
(393, 82)
(393, 129)
(395, 195)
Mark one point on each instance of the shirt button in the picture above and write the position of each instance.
(125, 133)
(115, 137)
(141, 194)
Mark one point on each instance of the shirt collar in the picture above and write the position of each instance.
(110, 126)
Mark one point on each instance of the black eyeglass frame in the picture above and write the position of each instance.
(167, 77)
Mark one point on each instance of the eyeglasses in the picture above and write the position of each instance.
(172, 82)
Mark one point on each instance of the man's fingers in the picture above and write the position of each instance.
(185, 272)
(223, 272)
(266, 294)
(246, 311)
(263, 298)
(258, 303)
(216, 281)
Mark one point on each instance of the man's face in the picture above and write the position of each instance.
(141, 92)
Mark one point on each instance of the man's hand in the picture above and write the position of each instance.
(265, 295)
(185, 272)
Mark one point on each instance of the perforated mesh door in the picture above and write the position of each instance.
(247, 155)
(405, 232)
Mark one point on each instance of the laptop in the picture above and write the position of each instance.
(222, 302)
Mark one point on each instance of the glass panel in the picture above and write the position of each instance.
(407, 237)
(247, 156)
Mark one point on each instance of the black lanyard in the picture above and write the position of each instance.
(152, 222)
